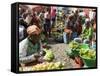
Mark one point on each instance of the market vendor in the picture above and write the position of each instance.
(30, 47)
(68, 29)
(87, 33)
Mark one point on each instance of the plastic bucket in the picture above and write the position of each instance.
(84, 46)
(89, 62)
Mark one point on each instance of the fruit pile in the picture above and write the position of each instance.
(44, 66)
(48, 66)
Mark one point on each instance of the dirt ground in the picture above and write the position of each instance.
(60, 54)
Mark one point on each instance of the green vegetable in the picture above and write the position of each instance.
(88, 54)
(74, 45)
(49, 56)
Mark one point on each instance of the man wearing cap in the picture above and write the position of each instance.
(30, 47)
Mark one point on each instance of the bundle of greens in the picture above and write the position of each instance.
(49, 56)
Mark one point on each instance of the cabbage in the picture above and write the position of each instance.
(49, 56)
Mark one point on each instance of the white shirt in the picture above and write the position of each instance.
(45, 14)
(92, 15)
(21, 32)
(22, 48)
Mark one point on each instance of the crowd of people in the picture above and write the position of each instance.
(33, 22)
(81, 27)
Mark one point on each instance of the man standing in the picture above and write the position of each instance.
(47, 25)
(53, 16)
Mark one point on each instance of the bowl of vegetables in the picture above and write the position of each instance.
(89, 57)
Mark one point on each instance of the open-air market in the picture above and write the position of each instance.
(56, 37)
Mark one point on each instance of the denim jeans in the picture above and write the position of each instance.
(65, 37)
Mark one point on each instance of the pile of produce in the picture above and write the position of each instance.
(89, 57)
(58, 33)
(49, 56)
(60, 25)
(88, 54)
(58, 36)
(74, 45)
(83, 51)
(76, 48)
(44, 66)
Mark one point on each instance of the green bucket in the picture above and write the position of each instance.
(84, 46)
(89, 62)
